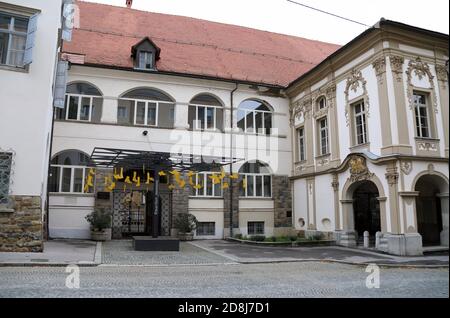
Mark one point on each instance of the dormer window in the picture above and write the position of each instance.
(145, 60)
(145, 54)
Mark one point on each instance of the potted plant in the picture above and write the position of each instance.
(186, 225)
(100, 221)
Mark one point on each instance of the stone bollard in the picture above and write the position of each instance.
(377, 240)
(366, 239)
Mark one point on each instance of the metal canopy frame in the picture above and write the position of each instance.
(156, 161)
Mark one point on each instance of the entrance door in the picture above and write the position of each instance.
(366, 209)
(429, 214)
(149, 198)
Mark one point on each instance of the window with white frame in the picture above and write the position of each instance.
(421, 115)
(360, 124)
(301, 144)
(255, 180)
(323, 136)
(205, 113)
(145, 60)
(206, 229)
(255, 228)
(13, 37)
(146, 107)
(208, 189)
(83, 103)
(68, 172)
(5, 175)
(254, 117)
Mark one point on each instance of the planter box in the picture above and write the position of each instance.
(186, 236)
(101, 236)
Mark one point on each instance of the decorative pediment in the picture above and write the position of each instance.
(420, 69)
(358, 169)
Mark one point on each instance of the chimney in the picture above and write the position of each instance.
(129, 3)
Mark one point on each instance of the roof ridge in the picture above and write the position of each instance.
(209, 21)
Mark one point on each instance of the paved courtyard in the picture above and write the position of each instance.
(122, 253)
(242, 280)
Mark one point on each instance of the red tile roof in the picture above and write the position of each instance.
(192, 46)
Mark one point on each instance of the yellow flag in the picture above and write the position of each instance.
(234, 176)
(222, 174)
(198, 186)
(171, 187)
(127, 180)
(225, 185)
(149, 179)
(135, 176)
(86, 188)
(215, 179)
(112, 186)
(138, 182)
(162, 173)
(190, 173)
(91, 171)
(107, 180)
(244, 182)
(182, 183)
(89, 181)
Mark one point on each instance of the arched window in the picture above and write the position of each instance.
(321, 103)
(146, 107)
(68, 172)
(256, 180)
(83, 103)
(255, 117)
(205, 113)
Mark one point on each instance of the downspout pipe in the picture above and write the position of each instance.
(231, 156)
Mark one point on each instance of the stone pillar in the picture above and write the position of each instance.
(337, 217)
(347, 237)
(180, 204)
(442, 77)
(444, 211)
(226, 208)
(281, 193)
(366, 239)
(21, 227)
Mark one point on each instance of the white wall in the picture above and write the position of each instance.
(26, 104)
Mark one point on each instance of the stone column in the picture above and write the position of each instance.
(444, 211)
(226, 208)
(347, 237)
(442, 77)
(337, 217)
(281, 193)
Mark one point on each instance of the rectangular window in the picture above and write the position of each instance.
(208, 188)
(82, 108)
(256, 186)
(146, 113)
(255, 121)
(301, 144)
(206, 228)
(421, 115)
(68, 179)
(13, 37)
(323, 136)
(360, 123)
(146, 60)
(5, 173)
(255, 228)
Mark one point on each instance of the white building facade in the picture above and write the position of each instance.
(28, 57)
(371, 141)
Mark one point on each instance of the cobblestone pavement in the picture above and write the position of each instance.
(290, 280)
(244, 253)
(122, 253)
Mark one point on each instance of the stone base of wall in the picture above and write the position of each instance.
(21, 226)
(284, 231)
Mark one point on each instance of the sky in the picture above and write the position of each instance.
(284, 17)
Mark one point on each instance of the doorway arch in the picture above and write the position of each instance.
(366, 208)
(432, 209)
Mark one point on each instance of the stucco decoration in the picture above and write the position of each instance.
(427, 146)
(335, 183)
(442, 76)
(302, 107)
(406, 167)
(329, 93)
(397, 66)
(358, 169)
(420, 69)
(380, 68)
(354, 81)
(392, 176)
